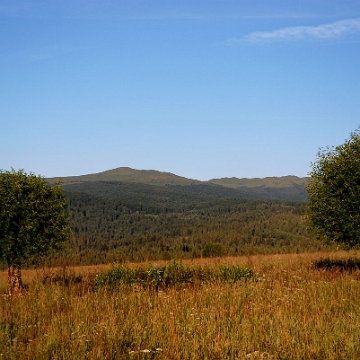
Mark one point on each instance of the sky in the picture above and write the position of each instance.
(200, 88)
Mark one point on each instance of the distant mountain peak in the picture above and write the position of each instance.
(161, 178)
(127, 174)
(126, 183)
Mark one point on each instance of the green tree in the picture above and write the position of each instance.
(333, 209)
(213, 250)
(33, 221)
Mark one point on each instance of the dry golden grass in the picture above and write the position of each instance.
(292, 311)
(256, 262)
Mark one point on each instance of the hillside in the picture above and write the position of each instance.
(126, 174)
(146, 214)
(108, 229)
(268, 182)
(149, 195)
(165, 188)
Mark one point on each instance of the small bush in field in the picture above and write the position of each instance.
(170, 275)
(231, 273)
(351, 264)
(117, 275)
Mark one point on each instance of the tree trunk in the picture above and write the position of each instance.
(14, 279)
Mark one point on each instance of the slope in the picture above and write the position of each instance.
(145, 186)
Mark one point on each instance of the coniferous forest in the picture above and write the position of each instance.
(107, 230)
(148, 215)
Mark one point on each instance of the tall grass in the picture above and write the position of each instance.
(292, 311)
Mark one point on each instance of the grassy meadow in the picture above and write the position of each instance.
(288, 310)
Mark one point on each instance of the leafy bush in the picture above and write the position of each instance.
(169, 275)
(231, 273)
(213, 250)
(118, 274)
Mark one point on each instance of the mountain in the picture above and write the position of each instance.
(139, 215)
(126, 174)
(173, 191)
(279, 188)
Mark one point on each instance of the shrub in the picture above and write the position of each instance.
(213, 250)
(231, 273)
(116, 275)
(173, 274)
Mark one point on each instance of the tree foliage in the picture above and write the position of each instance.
(33, 219)
(333, 210)
(213, 250)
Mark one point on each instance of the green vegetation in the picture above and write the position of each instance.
(32, 221)
(147, 195)
(128, 175)
(121, 215)
(126, 214)
(169, 275)
(333, 210)
(107, 230)
(213, 249)
(119, 182)
(269, 182)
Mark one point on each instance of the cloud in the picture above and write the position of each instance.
(324, 31)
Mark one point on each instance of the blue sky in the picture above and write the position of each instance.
(202, 89)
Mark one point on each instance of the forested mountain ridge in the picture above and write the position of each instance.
(141, 215)
(126, 174)
(270, 182)
(150, 185)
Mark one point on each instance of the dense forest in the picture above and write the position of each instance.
(131, 215)
(111, 229)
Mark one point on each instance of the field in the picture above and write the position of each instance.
(289, 310)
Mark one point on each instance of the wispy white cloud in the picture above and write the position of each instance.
(324, 31)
